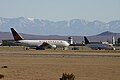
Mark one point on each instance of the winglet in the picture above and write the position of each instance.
(86, 40)
(16, 35)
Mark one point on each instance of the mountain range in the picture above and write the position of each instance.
(74, 27)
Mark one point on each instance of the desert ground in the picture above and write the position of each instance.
(43, 65)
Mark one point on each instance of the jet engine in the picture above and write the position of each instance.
(53, 46)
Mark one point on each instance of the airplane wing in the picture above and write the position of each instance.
(46, 45)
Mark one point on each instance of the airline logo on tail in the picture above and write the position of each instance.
(16, 35)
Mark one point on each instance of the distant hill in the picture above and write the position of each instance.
(5, 36)
(8, 36)
(108, 33)
(105, 36)
(73, 27)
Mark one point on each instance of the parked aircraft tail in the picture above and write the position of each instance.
(16, 35)
(86, 40)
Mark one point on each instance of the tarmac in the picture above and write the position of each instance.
(29, 64)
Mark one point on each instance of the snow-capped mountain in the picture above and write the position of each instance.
(46, 27)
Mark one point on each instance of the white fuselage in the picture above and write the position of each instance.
(37, 43)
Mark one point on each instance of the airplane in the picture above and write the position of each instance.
(39, 44)
(98, 46)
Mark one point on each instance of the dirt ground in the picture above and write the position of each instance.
(30, 67)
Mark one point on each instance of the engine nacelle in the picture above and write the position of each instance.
(53, 46)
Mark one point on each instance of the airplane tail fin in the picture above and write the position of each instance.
(86, 40)
(16, 35)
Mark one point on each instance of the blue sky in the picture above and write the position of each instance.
(56, 10)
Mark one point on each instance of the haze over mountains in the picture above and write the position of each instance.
(74, 27)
